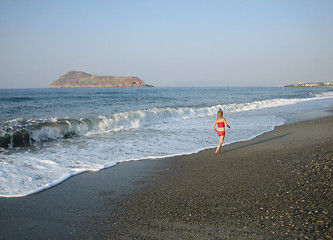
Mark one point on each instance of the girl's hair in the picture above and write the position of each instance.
(220, 113)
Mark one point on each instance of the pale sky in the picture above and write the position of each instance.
(167, 43)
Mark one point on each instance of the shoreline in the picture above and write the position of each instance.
(195, 196)
(276, 186)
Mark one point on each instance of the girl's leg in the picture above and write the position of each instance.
(220, 144)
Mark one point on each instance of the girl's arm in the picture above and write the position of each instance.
(214, 126)
(226, 124)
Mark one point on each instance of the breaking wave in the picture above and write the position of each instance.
(20, 132)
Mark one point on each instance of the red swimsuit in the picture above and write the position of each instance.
(220, 125)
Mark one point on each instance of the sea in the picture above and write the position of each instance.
(50, 135)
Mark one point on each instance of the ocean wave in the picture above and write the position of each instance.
(328, 94)
(20, 133)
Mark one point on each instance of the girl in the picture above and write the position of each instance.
(221, 123)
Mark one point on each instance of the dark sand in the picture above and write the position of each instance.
(276, 186)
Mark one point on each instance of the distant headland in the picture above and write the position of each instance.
(320, 84)
(78, 79)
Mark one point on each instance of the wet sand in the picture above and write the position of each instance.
(276, 186)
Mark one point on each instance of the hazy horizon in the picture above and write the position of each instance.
(168, 44)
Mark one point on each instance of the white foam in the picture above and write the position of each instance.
(25, 173)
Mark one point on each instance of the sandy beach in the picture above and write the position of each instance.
(276, 186)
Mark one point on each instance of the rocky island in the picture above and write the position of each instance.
(78, 79)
